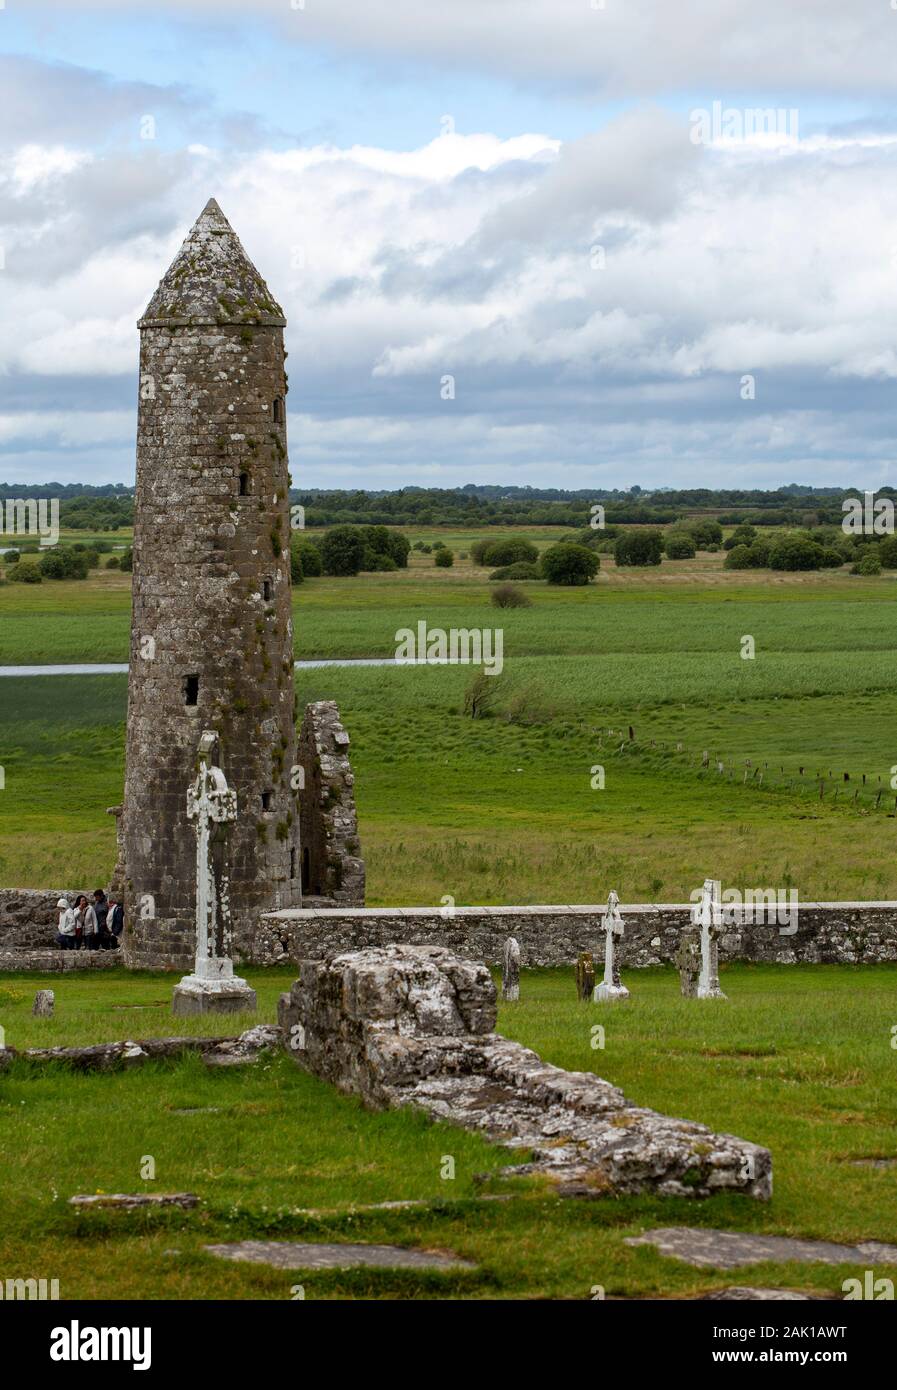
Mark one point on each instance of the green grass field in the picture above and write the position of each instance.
(502, 809)
(799, 1059)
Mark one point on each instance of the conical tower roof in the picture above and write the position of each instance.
(212, 280)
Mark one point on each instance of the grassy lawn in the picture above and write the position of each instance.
(502, 809)
(799, 1059)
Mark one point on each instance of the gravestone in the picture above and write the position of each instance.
(611, 987)
(213, 987)
(43, 1004)
(687, 959)
(585, 975)
(510, 970)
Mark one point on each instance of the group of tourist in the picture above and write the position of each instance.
(94, 926)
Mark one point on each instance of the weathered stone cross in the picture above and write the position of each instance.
(610, 987)
(708, 915)
(213, 985)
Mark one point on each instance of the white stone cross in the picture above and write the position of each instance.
(210, 801)
(708, 915)
(213, 984)
(610, 987)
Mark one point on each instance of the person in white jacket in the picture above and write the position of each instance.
(86, 920)
(65, 935)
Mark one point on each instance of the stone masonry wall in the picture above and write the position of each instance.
(852, 933)
(412, 1025)
(332, 867)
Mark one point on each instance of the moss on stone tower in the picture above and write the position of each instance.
(211, 630)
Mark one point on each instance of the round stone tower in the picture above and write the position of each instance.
(211, 628)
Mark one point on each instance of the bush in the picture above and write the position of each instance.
(638, 548)
(522, 570)
(795, 553)
(705, 533)
(478, 550)
(398, 548)
(444, 557)
(310, 556)
(113, 563)
(887, 553)
(510, 552)
(742, 535)
(832, 559)
(127, 560)
(869, 564)
(418, 545)
(342, 550)
(64, 564)
(25, 572)
(296, 574)
(12, 557)
(509, 596)
(679, 545)
(569, 564)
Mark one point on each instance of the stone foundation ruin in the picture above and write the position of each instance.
(413, 1025)
(332, 867)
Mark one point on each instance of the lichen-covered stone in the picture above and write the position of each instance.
(412, 1025)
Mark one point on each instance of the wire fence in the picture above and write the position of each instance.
(852, 790)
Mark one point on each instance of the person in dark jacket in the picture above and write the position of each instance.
(101, 911)
(115, 920)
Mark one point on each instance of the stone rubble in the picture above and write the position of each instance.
(403, 1025)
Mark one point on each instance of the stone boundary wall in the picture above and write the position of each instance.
(856, 933)
(56, 959)
(28, 916)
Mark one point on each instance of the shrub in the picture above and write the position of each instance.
(638, 548)
(25, 572)
(444, 557)
(869, 564)
(310, 556)
(398, 548)
(510, 552)
(127, 560)
(679, 545)
(113, 563)
(482, 695)
(742, 535)
(12, 557)
(795, 553)
(418, 545)
(887, 553)
(832, 559)
(705, 533)
(522, 570)
(569, 564)
(378, 564)
(342, 550)
(296, 574)
(478, 550)
(509, 596)
(64, 564)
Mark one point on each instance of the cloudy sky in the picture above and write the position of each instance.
(650, 242)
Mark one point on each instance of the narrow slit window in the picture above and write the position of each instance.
(266, 590)
(277, 410)
(191, 690)
(244, 484)
(266, 800)
(306, 868)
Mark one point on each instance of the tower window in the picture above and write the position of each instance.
(266, 590)
(277, 413)
(266, 800)
(306, 868)
(244, 484)
(191, 690)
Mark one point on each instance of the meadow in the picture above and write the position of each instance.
(799, 1059)
(503, 809)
